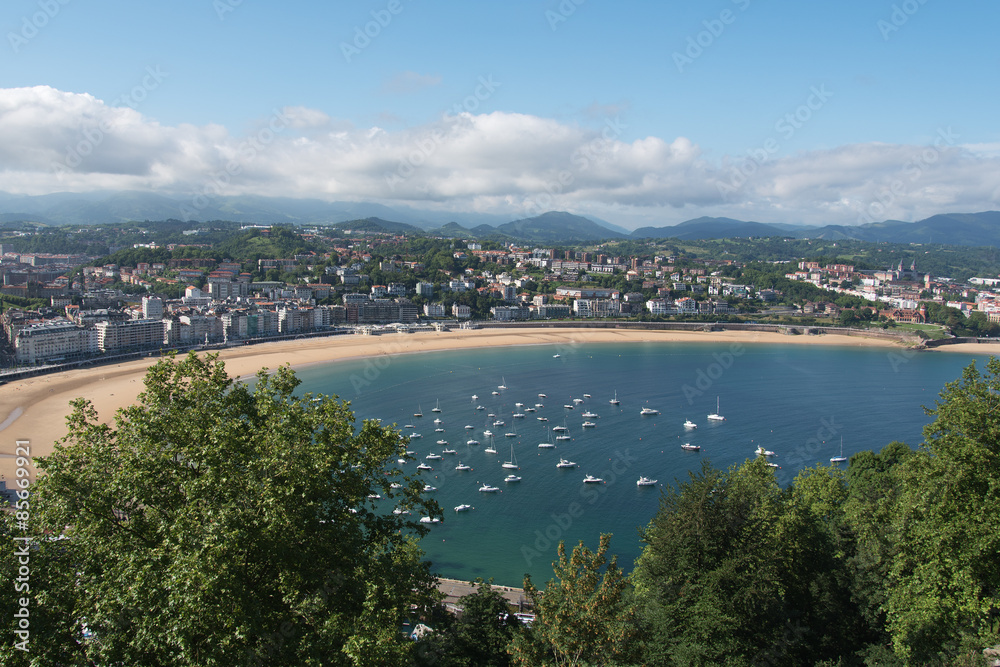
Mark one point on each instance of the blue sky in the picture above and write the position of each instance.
(635, 112)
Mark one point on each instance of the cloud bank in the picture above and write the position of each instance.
(500, 162)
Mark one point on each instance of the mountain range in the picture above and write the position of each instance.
(972, 229)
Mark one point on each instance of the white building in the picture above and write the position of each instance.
(434, 310)
(133, 335)
(152, 307)
(53, 341)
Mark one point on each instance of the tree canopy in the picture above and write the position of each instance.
(215, 524)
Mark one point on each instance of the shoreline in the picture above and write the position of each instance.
(35, 408)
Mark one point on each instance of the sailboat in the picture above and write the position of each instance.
(548, 444)
(841, 458)
(716, 416)
(615, 401)
(437, 408)
(513, 460)
(419, 412)
(492, 448)
(503, 383)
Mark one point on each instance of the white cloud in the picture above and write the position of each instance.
(502, 162)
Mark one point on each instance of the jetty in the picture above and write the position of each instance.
(455, 589)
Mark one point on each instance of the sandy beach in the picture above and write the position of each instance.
(35, 409)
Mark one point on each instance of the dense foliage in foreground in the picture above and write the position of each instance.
(204, 529)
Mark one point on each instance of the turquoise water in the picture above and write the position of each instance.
(798, 401)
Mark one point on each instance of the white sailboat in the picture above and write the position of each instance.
(503, 383)
(548, 444)
(492, 448)
(841, 458)
(615, 401)
(716, 416)
(437, 408)
(512, 463)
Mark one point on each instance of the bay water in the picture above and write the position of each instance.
(799, 401)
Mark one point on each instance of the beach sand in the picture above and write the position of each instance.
(35, 409)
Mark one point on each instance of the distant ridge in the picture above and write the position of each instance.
(552, 227)
(709, 228)
(556, 227)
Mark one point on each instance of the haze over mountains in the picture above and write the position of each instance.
(974, 229)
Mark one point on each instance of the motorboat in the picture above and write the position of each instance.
(463, 466)
(649, 411)
(563, 463)
(448, 451)
(512, 478)
(691, 448)
(486, 488)
(430, 519)
(645, 481)
(690, 424)
(424, 466)
(433, 457)
(588, 424)
(590, 479)
(463, 508)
